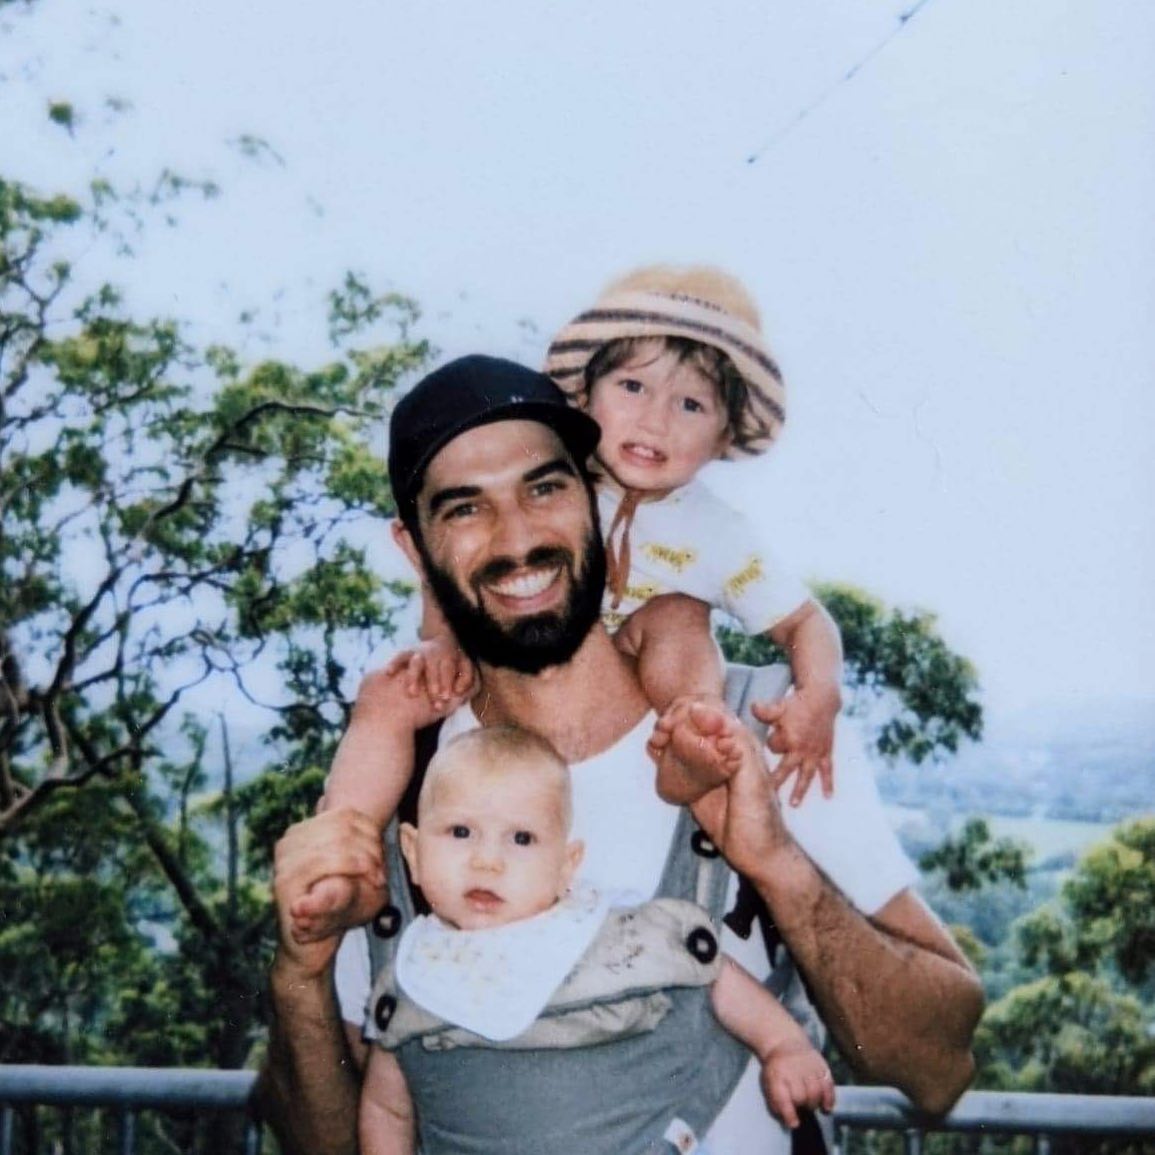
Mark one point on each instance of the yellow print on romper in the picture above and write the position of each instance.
(643, 593)
(634, 596)
(676, 559)
(745, 578)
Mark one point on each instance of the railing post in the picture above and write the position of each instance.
(7, 1119)
(252, 1138)
(1042, 1144)
(127, 1132)
(912, 1141)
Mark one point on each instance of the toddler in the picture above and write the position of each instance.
(671, 364)
(511, 936)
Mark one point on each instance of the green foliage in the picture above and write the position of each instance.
(62, 113)
(973, 859)
(902, 678)
(180, 533)
(1081, 1019)
(1112, 901)
(1074, 1033)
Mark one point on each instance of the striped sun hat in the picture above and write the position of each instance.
(701, 304)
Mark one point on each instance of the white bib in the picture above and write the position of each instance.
(495, 982)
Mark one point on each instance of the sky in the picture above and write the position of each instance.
(947, 222)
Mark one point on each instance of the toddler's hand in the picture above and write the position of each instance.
(438, 670)
(802, 732)
(795, 1077)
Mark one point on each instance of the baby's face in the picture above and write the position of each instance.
(491, 848)
(661, 421)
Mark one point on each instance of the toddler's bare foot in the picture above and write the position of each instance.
(333, 905)
(696, 746)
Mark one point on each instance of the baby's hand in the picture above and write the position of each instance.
(437, 669)
(795, 1077)
(802, 732)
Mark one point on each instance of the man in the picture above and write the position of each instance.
(487, 467)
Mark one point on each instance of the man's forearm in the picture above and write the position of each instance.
(899, 998)
(309, 1088)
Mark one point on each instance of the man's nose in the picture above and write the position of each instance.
(514, 535)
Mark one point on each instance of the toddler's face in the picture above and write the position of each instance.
(661, 421)
(491, 848)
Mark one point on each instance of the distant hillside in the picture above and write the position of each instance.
(1094, 766)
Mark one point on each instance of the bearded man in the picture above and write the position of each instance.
(487, 464)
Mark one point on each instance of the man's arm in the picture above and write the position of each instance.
(309, 1088)
(897, 994)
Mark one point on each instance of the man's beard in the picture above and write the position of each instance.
(530, 644)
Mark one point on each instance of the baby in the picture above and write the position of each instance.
(511, 936)
(672, 365)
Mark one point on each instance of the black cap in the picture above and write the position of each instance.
(464, 394)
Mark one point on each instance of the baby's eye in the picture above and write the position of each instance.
(692, 405)
(523, 838)
(459, 831)
(630, 385)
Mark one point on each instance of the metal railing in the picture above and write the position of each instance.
(996, 1113)
(130, 1090)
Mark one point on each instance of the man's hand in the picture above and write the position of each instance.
(340, 843)
(741, 817)
(802, 732)
(795, 1077)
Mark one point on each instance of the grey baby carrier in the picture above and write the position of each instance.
(616, 1098)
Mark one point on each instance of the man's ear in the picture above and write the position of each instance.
(574, 853)
(407, 833)
(408, 546)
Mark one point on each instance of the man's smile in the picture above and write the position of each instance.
(525, 584)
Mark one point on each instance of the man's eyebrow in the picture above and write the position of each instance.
(557, 465)
(454, 493)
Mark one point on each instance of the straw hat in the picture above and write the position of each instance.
(699, 303)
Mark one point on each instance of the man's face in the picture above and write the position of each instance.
(510, 546)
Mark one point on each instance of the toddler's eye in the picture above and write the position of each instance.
(692, 406)
(523, 838)
(459, 831)
(630, 385)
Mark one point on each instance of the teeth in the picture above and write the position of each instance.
(526, 585)
(646, 452)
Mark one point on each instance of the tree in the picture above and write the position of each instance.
(973, 859)
(178, 530)
(916, 694)
(1081, 1021)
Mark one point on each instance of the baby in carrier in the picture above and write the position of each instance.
(518, 955)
